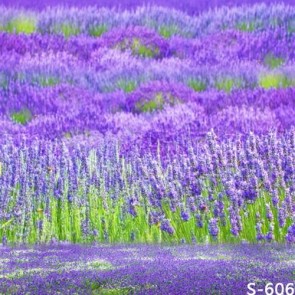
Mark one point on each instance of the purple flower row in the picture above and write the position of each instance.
(220, 47)
(243, 186)
(168, 22)
(61, 111)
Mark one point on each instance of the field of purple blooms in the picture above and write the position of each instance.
(146, 125)
(134, 269)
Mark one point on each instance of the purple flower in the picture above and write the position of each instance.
(259, 235)
(269, 214)
(290, 237)
(199, 221)
(167, 227)
(213, 227)
(185, 215)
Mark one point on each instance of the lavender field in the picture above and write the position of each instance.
(147, 148)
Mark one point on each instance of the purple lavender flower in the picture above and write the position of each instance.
(213, 227)
(185, 215)
(269, 214)
(155, 217)
(259, 234)
(132, 206)
(282, 215)
(167, 227)
(199, 222)
(290, 237)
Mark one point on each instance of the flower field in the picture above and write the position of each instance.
(134, 269)
(127, 128)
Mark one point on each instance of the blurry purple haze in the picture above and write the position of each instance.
(189, 6)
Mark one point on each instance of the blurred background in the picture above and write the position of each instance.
(190, 6)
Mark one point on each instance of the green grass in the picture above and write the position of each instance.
(273, 62)
(21, 24)
(152, 105)
(66, 29)
(105, 288)
(138, 48)
(157, 102)
(246, 26)
(168, 31)
(126, 85)
(227, 84)
(47, 81)
(197, 85)
(113, 288)
(142, 50)
(274, 80)
(98, 30)
(22, 117)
